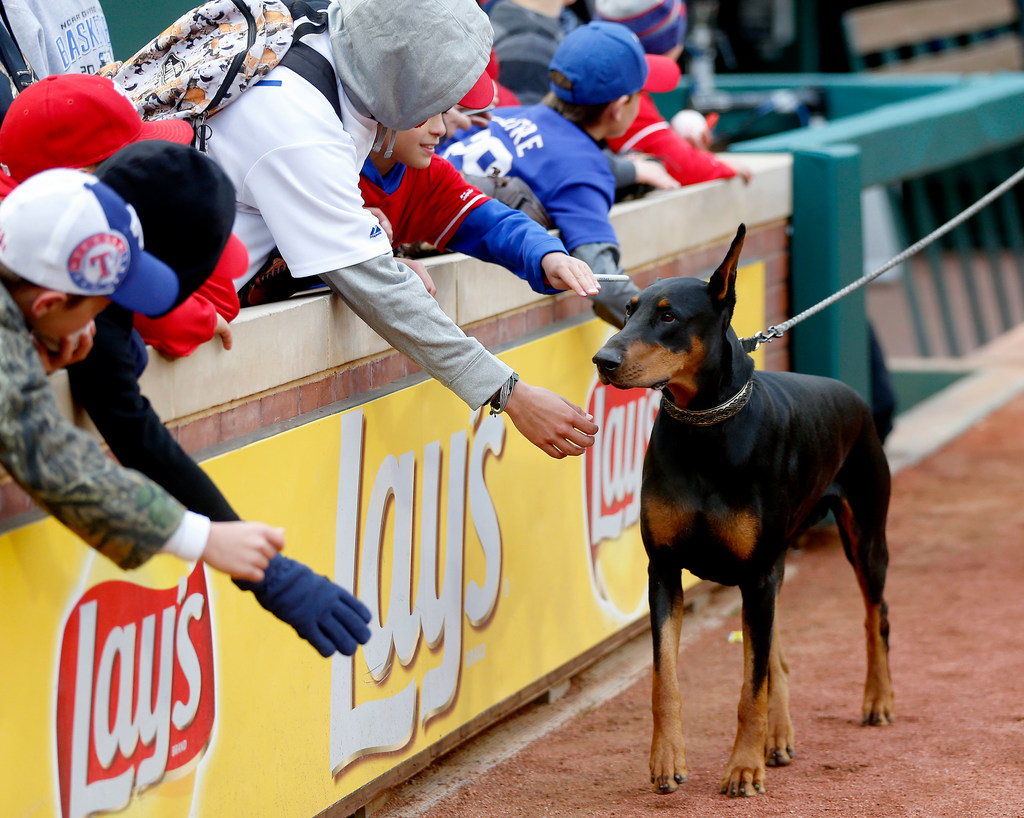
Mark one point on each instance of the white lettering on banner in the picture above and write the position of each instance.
(614, 464)
(107, 793)
(437, 617)
(480, 601)
(147, 656)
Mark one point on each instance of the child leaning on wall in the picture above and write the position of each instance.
(596, 77)
(423, 197)
(69, 247)
(526, 35)
(81, 122)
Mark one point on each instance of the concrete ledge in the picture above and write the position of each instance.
(996, 377)
(299, 340)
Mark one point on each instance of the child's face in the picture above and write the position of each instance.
(52, 317)
(626, 116)
(415, 147)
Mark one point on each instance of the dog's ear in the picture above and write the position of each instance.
(722, 285)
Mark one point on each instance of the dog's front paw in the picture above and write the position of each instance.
(744, 781)
(778, 744)
(877, 713)
(879, 702)
(779, 756)
(668, 766)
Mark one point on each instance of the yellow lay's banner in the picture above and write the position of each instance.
(167, 691)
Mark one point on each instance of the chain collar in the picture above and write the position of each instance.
(709, 417)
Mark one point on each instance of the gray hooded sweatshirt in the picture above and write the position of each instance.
(404, 61)
(61, 36)
(401, 62)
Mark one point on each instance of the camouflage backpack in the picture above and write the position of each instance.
(211, 54)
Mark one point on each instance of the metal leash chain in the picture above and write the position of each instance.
(754, 341)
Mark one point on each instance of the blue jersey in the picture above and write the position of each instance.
(561, 163)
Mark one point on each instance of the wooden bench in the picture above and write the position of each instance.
(918, 36)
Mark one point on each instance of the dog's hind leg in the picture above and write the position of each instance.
(861, 515)
(668, 750)
(780, 738)
(744, 774)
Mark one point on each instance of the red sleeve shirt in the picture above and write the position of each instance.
(183, 329)
(651, 134)
(428, 205)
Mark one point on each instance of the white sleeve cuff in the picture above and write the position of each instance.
(189, 539)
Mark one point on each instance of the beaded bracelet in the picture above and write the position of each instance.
(500, 399)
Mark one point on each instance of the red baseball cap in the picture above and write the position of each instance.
(663, 74)
(71, 121)
(481, 95)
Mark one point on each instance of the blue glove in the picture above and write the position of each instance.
(322, 613)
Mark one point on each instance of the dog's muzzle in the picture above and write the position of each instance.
(607, 360)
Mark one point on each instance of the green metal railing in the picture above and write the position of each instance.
(938, 142)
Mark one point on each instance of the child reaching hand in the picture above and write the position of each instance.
(424, 198)
(596, 78)
(69, 246)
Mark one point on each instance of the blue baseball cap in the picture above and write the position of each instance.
(67, 231)
(605, 61)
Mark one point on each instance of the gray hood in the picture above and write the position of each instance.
(404, 61)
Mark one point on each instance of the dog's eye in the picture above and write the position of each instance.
(666, 318)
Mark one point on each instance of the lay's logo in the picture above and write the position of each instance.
(135, 694)
(613, 466)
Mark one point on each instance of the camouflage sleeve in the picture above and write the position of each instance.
(117, 511)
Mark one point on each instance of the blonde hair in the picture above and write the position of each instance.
(582, 115)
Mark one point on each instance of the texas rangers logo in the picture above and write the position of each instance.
(99, 262)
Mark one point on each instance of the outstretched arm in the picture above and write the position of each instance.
(496, 233)
(391, 299)
(610, 303)
(105, 385)
(116, 511)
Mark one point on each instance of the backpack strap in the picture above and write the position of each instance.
(15, 75)
(13, 59)
(311, 18)
(316, 69)
(313, 12)
(308, 17)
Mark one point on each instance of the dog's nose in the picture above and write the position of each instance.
(607, 360)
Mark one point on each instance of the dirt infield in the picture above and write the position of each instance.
(956, 606)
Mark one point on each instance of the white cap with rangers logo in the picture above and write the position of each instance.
(65, 230)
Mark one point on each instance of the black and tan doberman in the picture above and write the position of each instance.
(739, 462)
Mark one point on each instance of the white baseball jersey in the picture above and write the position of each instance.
(295, 167)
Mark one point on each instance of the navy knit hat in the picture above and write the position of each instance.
(660, 24)
(185, 202)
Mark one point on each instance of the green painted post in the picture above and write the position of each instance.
(132, 26)
(826, 255)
